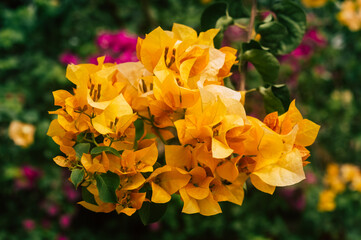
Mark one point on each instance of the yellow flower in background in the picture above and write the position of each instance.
(314, 3)
(338, 178)
(22, 133)
(333, 178)
(206, 1)
(327, 201)
(350, 14)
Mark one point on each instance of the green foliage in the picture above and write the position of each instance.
(81, 148)
(87, 196)
(139, 131)
(271, 102)
(77, 176)
(107, 183)
(271, 34)
(98, 150)
(265, 63)
(152, 212)
(213, 15)
(291, 16)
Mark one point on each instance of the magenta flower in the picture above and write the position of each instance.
(71, 194)
(93, 59)
(295, 197)
(52, 210)
(302, 51)
(65, 221)
(154, 226)
(104, 40)
(316, 37)
(62, 237)
(28, 224)
(31, 173)
(122, 41)
(311, 178)
(234, 34)
(127, 56)
(68, 58)
(28, 176)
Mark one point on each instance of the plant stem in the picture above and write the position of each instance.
(251, 20)
(243, 65)
(95, 142)
(243, 74)
(159, 134)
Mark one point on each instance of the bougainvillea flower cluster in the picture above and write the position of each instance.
(350, 14)
(338, 178)
(143, 131)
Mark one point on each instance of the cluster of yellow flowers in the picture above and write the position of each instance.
(22, 133)
(176, 92)
(336, 179)
(350, 14)
(314, 3)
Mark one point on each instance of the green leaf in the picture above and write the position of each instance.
(152, 212)
(218, 40)
(237, 9)
(81, 148)
(266, 64)
(271, 102)
(272, 33)
(139, 131)
(107, 183)
(98, 150)
(88, 196)
(211, 15)
(228, 83)
(77, 176)
(293, 18)
(282, 93)
(251, 45)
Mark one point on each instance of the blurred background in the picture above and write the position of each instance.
(38, 38)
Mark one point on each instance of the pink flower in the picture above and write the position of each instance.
(295, 197)
(28, 176)
(67, 58)
(52, 210)
(234, 34)
(265, 14)
(154, 226)
(117, 42)
(71, 194)
(93, 59)
(29, 224)
(31, 173)
(123, 41)
(311, 178)
(65, 221)
(127, 56)
(104, 40)
(302, 51)
(62, 237)
(316, 37)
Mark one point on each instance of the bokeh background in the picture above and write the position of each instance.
(38, 38)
